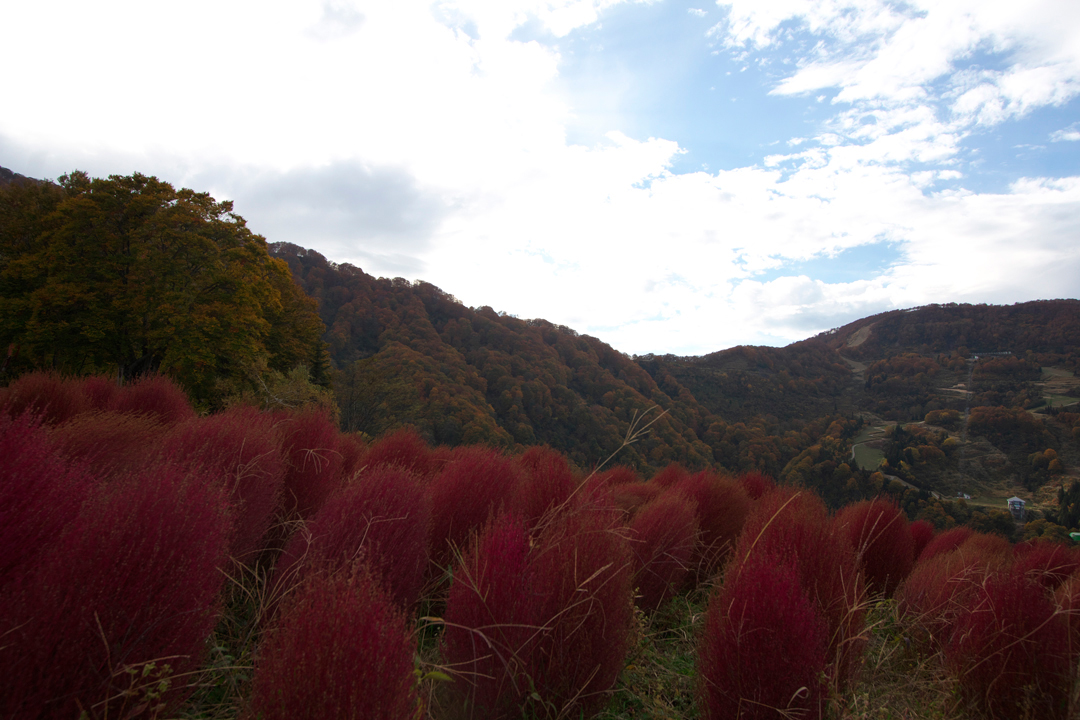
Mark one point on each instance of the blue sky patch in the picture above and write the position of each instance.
(858, 263)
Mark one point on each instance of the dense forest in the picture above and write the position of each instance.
(233, 472)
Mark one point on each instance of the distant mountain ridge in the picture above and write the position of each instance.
(1044, 326)
(409, 353)
(10, 176)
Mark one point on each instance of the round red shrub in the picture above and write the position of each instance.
(792, 526)
(992, 551)
(404, 448)
(756, 483)
(134, 580)
(545, 485)
(618, 475)
(548, 614)
(764, 649)
(1010, 651)
(1045, 562)
(879, 534)
(382, 516)
(99, 391)
(632, 496)
(1067, 600)
(922, 532)
(582, 570)
(239, 449)
(340, 649)
(154, 395)
(109, 443)
(40, 494)
(47, 395)
(946, 541)
(474, 483)
(492, 623)
(309, 448)
(721, 506)
(938, 589)
(353, 451)
(663, 538)
(669, 476)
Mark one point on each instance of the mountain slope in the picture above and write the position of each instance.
(411, 354)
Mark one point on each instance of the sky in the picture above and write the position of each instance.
(668, 176)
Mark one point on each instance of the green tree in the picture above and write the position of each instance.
(129, 275)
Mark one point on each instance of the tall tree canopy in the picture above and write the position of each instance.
(129, 275)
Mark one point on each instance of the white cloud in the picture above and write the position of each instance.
(423, 140)
(1069, 134)
(876, 51)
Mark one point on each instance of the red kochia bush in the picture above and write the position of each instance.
(353, 455)
(492, 623)
(474, 483)
(546, 483)
(618, 475)
(792, 526)
(1045, 562)
(582, 569)
(154, 395)
(99, 391)
(940, 587)
(381, 516)
(922, 532)
(946, 541)
(1010, 651)
(340, 649)
(669, 476)
(878, 532)
(1067, 599)
(721, 506)
(663, 537)
(133, 580)
(756, 484)
(40, 495)
(763, 652)
(404, 448)
(109, 443)
(46, 394)
(996, 551)
(309, 447)
(632, 496)
(550, 615)
(239, 449)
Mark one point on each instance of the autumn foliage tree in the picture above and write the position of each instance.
(127, 275)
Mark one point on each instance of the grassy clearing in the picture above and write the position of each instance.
(868, 458)
(658, 682)
(869, 432)
(896, 682)
(991, 502)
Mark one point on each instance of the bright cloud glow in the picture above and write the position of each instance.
(669, 178)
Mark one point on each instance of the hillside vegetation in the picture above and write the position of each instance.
(922, 404)
(158, 563)
(239, 480)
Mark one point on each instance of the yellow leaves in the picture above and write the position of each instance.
(140, 275)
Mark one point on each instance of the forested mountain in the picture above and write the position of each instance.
(1049, 328)
(410, 353)
(127, 275)
(904, 395)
